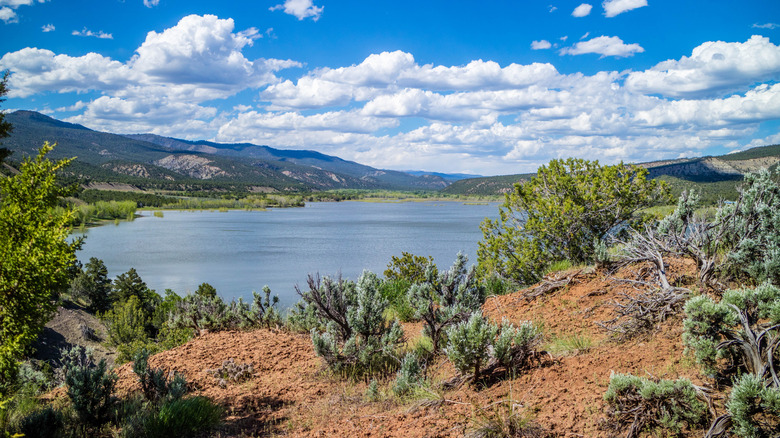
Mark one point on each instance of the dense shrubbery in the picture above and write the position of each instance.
(104, 210)
(90, 389)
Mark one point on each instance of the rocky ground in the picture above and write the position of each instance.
(290, 394)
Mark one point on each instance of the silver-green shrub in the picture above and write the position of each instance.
(515, 345)
(653, 405)
(409, 376)
(90, 388)
(443, 300)
(754, 408)
(744, 326)
(357, 340)
(469, 342)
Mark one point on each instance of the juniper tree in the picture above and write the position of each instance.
(446, 299)
(560, 213)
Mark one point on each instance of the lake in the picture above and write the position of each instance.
(240, 251)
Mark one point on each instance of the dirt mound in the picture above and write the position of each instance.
(290, 394)
(72, 326)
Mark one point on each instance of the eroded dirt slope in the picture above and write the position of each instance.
(289, 393)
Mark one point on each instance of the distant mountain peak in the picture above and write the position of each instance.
(43, 118)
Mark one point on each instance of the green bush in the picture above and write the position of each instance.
(409, 268)
(357, 340)
(469, 342)
(46, 422)
(515, 345)
(157, 385)
(754, 408)
(206, 311)
(443, 300)
(743, 326)
(395, 292)
(90, 388)
(409, 376)
(649, 405)
(183, 417)
(36, 253)
(560, 213)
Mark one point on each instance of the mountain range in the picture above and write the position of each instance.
(154, 162)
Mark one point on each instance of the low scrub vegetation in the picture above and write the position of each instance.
(657, 406)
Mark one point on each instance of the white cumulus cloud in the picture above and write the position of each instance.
(151, 3)
(616, 7)
(300, 9)
(713, 68)
(604, 46)
(8, 15)
(88, 33)
(48, 28)
(582, 10)
(540, 45)
(766, 26)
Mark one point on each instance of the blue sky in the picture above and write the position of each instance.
(492, 87)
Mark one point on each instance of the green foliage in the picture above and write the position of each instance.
(265, 313)
(156, 384)
(496, 285)
(394, 291)
(752, 228)
(743, 326)
(515, 345)
(409, 267)
(90, 388)
(357, 340)
(409, 375)
(46, 422)
(129, 285)
(560, 213)
(183, 417)
(468, 344)
(204, 311)
(35, 254)
(104, 210)
(125, 322)
(206, 290)
(653, 405)
(754, 408)
(141, 199)
(446, 299)
(93, 285)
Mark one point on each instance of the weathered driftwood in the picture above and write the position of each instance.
(549, 285)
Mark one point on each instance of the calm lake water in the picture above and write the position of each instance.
(240, 251)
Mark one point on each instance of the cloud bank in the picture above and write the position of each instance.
(391, 111)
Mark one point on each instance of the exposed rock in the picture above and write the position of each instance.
(192, 165)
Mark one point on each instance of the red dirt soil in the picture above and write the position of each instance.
(290, 394)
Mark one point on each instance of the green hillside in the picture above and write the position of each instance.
(171, 164)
